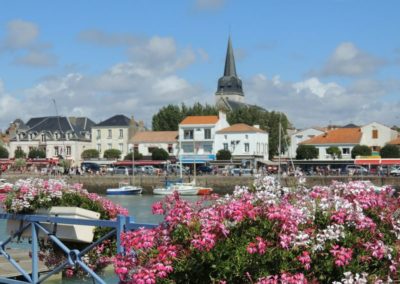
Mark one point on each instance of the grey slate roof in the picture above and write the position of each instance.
(116, 120)
(234, 105)
(77, 126)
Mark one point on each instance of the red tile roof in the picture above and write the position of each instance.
(156, 136)
(337, 136)
(201, 119)
(241, 127)
(395, 141)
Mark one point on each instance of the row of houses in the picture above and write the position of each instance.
(374, 135)
(198, 139)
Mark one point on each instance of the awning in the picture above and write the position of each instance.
(271, 163)
(377, 161)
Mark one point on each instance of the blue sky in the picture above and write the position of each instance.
(320, 62)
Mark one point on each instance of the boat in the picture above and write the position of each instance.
(5, 186)
(181, 188)
(124, 188)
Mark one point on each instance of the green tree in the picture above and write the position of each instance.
(19, 153)
(20, 163)
(3, 153)
(112, 154)
(224, 155)
(306, 152)
(360, 150)
(36, 153)
(138, 156)
(159, 154)
(90, 154)
(334, 151)
(167, 119)
(390, 151)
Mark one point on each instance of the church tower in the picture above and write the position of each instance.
(229, 86)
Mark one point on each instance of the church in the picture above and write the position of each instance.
(230, 95)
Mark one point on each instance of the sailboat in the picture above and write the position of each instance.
(183, 188)
(124, 188)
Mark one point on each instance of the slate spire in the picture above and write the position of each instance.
(230, 68)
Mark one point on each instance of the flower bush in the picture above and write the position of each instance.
(27, 196)
(342, 233)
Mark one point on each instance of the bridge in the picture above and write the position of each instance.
(35, 272)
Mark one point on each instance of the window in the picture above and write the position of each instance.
(98, 134)
(225, 146)
(31, 136)
(151, 149)
(374, 134)
(68, 150)
(136, 148)
(109, 146)
(246, 136)
(225, 137)
(187, 148)
(207, 133)
(188, 134)
(99, 148)
(121, 147)
(30, 148)
(376, 148)
(43, 138)
(246, 147)
(207, 148)
(299, 136)
(170, 148)
(121, 133)
(109, 133)
(346, 151)
(56, 152)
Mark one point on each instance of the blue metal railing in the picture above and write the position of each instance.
(74, 256)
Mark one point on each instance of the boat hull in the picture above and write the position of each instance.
(126, 192)
(169, 191)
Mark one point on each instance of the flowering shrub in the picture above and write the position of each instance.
(27, 196)
(344, 233)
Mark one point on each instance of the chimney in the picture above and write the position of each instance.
(256, 126)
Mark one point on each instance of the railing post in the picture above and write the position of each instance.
(35, 253)
(120, 228)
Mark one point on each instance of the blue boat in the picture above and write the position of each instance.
(124, 189)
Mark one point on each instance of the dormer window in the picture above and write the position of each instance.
(43, 137)
(31, 136)
(56, 135)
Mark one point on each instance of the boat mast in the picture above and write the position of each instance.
(133, 167)
(279, 149)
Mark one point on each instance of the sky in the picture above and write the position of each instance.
(319, 62)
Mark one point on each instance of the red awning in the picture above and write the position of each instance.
(377, 161)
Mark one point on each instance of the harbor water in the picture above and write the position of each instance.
(139, 207)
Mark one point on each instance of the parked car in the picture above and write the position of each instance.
(150, 170)
(395, 171)
(203, 169)
(241, 172)
(356, 170)
(122, 170)
(90, 167)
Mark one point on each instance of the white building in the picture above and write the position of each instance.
(300, 136)
(376, 135)
(197, 137)
(244, 142)
(56, 136)
(144, 142)
(114, 133)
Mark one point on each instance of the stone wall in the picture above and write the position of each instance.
(220, 184)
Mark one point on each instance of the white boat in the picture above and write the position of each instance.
(181, 188)
(124, 189)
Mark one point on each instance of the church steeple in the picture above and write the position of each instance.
(229, 85)
(230, 68)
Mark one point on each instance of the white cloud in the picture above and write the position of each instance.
(20, 34)
(318, 88)
(348, 60)
(22, 42)
(312, 102)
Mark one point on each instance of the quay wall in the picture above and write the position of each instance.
(220, 184)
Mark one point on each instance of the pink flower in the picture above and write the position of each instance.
(342, 255)
(305, 259)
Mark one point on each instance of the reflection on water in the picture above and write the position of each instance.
(139, 207)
